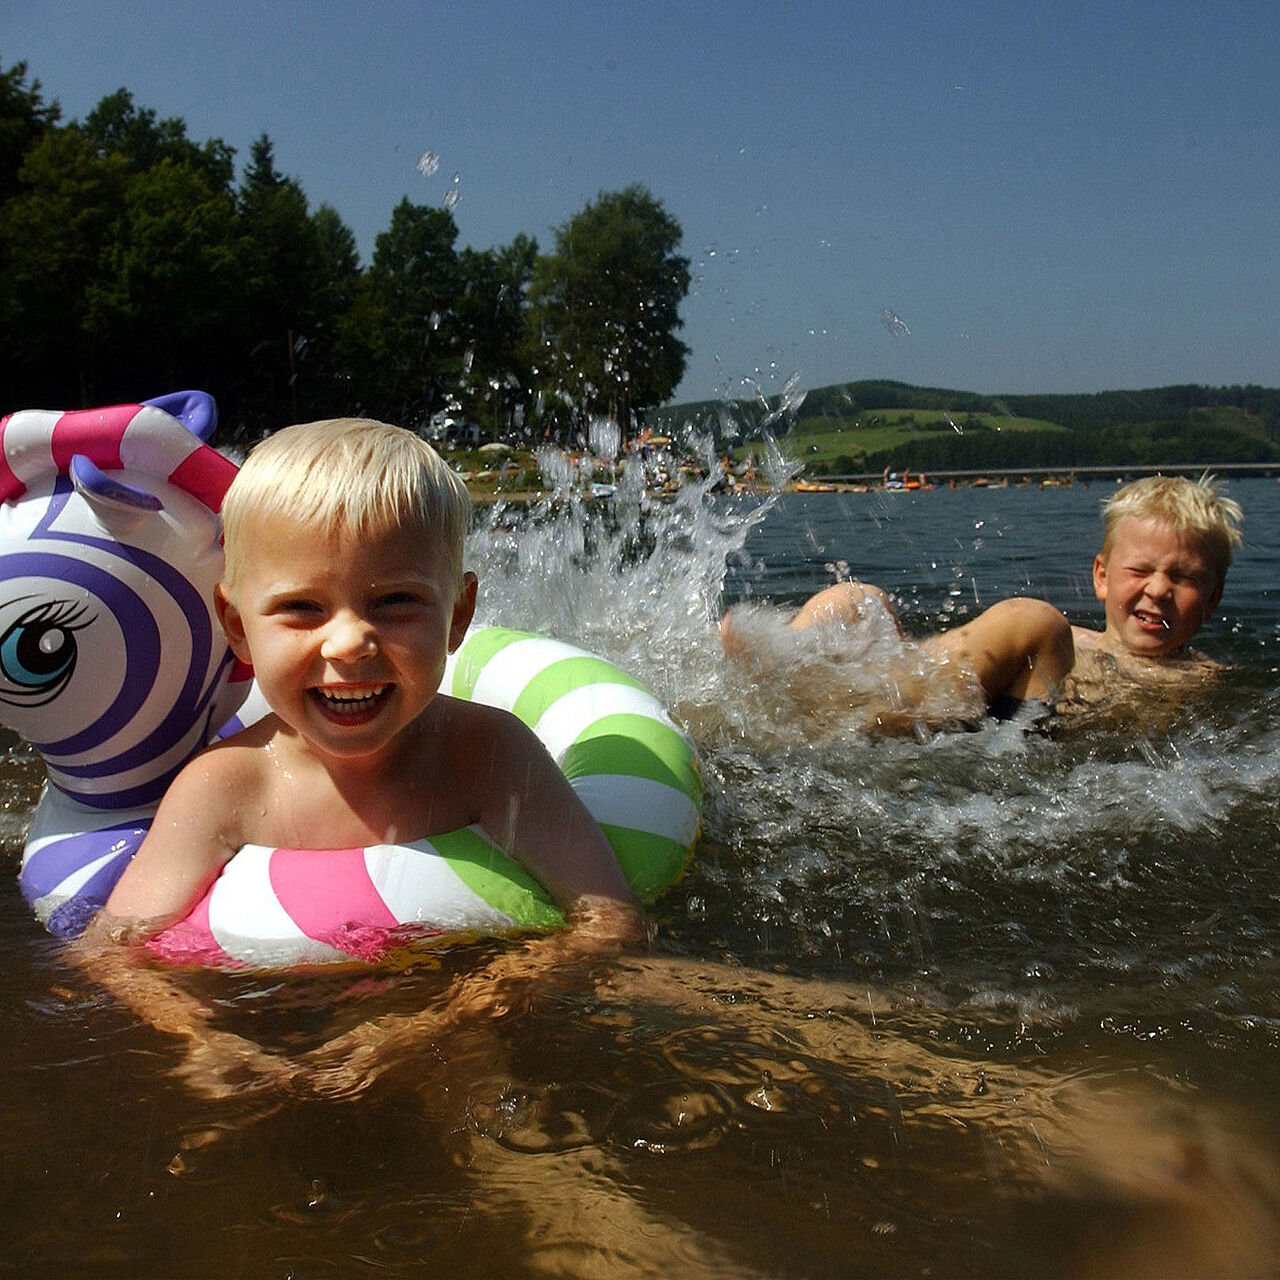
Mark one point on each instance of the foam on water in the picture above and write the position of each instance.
(636, 580)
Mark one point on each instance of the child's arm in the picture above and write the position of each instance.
(215, 1063)
(1021, 648)
(190, 840)
(193, 836)
(531, 811)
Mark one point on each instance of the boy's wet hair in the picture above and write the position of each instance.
(347, 475)
(1193, 507)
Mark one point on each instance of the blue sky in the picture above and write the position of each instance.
(1050, 196)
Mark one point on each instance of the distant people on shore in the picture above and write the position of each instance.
(1159, 575)
(893, 481)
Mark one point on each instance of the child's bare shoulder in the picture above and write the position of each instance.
(475, 725)
(1097, 657)
(232, 769)
(492, 750)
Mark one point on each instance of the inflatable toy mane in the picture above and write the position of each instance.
(109, 546)
(113, 665)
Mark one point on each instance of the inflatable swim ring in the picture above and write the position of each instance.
(113, 666)
(633, 769)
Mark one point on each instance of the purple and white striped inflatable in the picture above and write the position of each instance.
(110, 546)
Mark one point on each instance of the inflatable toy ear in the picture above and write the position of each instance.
(112, 662)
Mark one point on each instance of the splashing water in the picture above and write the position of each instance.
(636, 580)
(894, 323)
(824, 839)
(604, 436)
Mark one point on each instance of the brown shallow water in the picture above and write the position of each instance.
(968, 1005)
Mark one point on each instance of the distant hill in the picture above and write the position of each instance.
(868, 425)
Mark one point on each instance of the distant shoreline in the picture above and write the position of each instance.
(991, 477)
(1091, 472)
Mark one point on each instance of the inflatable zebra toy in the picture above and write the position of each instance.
(110, 544)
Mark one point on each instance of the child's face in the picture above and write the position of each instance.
(1157, 586)
(347, 636)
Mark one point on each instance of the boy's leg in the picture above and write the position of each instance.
(1020, 648)
(843, 603)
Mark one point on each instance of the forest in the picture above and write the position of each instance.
(134, 261)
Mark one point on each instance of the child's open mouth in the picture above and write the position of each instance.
(1151, 622)
(351, 704)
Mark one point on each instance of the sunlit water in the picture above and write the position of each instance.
(969, 1003)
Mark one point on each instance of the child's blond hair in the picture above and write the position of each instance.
(346, 475)
(1193, 507)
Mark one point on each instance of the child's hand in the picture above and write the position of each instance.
(505, 984)
(598, 923)
(219, 1065)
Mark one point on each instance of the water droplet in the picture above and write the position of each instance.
(895, 324)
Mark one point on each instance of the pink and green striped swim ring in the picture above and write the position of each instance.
(635, 771)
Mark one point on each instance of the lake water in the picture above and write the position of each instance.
(968, 1004)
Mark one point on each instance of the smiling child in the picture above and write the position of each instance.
(345, 590)
(1162, 567)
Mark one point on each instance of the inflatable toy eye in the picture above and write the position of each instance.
(38, 652)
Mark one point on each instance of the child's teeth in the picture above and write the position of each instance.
(363, 695)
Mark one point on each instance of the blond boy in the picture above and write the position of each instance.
(1165, 552)
(345, 589)
(1160, 574)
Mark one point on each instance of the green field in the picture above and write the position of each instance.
(824, 438)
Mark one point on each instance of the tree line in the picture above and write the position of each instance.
(133, 261)
(1166, 442)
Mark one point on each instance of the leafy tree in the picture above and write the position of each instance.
(55, 235)
(113, 255)
(399, 340)
(24, 119)
(490, 314)
(326, 386)
(605, 307)
(116, 127)
(283, 286)
(157, 310)
(339, 259)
